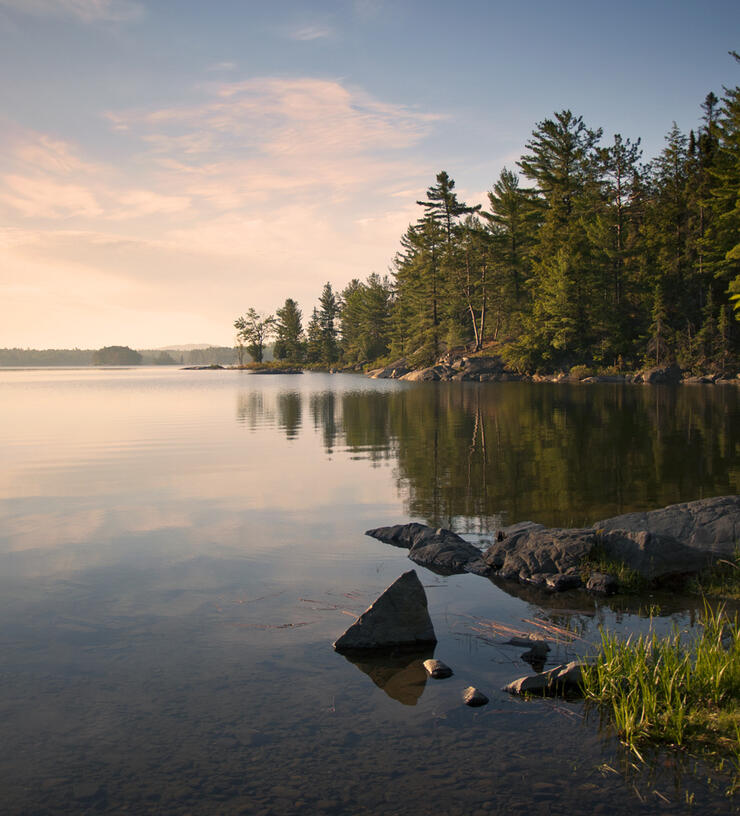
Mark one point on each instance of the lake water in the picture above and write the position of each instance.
(179, 549)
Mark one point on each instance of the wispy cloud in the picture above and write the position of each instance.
(311, 32)
(88, 11)
(219, 67)
(269, 186)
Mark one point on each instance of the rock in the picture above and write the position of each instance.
(563, 679)
(710, 526)
(536, 655)
(393, 371)
(560, 583)
(278, 371)
(474, 698)
(532, 684)
(529, 642)
(438, 549)
(536, 550)
(431, 374)
(668, 375)
(437, 669)
(399, 617)
(602, 583)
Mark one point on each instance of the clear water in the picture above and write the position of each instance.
(179, 549)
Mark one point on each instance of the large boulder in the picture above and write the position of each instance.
(709, 526)
(438, 549)
(433, 373)
(533, 553)
(666, 375)
(398, 618)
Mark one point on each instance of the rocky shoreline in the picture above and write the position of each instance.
(453, 368)
(660, 546)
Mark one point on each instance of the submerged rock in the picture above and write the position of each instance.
(398, 618)
(437, 669)
(474, 698)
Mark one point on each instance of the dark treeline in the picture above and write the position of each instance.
(585, 254)
(110, 355)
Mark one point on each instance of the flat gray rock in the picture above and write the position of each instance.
(708, 525)
(438, 549)
(398, 618)
(534, 550)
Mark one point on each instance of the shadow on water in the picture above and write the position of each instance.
(400, 674)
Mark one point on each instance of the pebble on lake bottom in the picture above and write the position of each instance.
(472, 697)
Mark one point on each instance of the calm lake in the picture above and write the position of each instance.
(179, 550)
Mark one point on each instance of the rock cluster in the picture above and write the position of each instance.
(437, 549)
(660, 544)
(492, 368)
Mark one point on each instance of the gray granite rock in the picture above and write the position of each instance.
(399, 617)
(709, 525)
(438, 549)
(535, 551)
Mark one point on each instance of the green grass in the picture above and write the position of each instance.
(670, 690)
(630, 581)
(721, 579)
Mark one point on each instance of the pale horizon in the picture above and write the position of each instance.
(165, 166)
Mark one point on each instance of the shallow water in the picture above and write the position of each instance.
(179, 549)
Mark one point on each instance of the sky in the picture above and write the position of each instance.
(167, 164)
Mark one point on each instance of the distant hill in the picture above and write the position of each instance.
(195, 355)
(187, 347)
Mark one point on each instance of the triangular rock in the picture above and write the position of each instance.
(399, 617)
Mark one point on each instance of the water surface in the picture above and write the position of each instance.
(178, 550)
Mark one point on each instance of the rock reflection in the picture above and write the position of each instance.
(401, 674)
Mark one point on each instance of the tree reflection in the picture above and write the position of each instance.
(470, 455)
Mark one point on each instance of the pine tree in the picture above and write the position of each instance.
(566, 298)
(289, 343)
(327, 314)
(514, 217)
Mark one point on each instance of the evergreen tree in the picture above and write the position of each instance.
(327, 314)
(566, 298)
(442, 204)
(289, 343)
(514, 218)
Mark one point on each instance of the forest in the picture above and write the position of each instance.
(583, 254)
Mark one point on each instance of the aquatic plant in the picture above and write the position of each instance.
(675, 690)
(721, 579)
